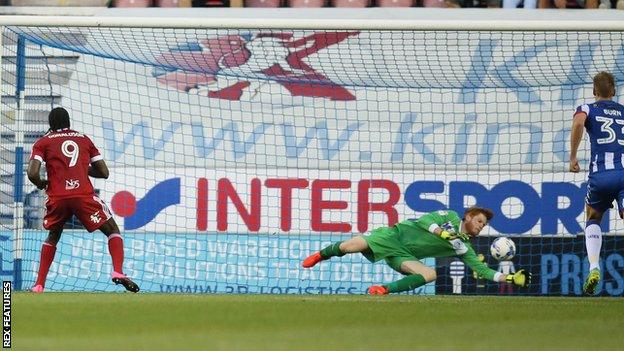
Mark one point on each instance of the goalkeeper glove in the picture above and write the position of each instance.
(451, 236)
(447, 236)
(521, 278)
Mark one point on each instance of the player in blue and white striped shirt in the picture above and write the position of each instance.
(604, 121)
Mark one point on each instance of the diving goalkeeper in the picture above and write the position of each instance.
(436, 234)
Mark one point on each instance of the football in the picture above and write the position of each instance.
(503, 249)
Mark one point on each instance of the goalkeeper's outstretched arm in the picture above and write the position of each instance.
(521, 278)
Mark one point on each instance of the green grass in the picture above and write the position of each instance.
(102, 321)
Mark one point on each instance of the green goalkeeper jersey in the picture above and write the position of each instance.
(417, 237)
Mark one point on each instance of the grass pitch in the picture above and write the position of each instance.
(103, 321)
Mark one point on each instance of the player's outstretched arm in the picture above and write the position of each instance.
(521, 278)
(33, 172)
(98, 169)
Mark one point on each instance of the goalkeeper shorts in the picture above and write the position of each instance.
(384, 244)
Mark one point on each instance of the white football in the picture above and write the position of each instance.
(503, 249)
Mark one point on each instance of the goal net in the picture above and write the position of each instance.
(235, 153)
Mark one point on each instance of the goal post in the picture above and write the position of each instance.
(238, 146)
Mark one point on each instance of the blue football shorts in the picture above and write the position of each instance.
(603, 188)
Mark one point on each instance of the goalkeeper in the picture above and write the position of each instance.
(436, 234)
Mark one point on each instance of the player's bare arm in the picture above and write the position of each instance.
(578, 125)
(34, 174)
(98, 169)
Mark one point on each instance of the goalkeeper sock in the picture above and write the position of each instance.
(332, 250)
(115, 248)
(593, 243)
(410, 282)
(47, 256)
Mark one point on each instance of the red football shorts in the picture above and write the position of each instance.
(90, 210)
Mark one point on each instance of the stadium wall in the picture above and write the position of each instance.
(216, 263)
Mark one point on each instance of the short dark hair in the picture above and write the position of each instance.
(58, 118)
(604, 85)
(475, 210)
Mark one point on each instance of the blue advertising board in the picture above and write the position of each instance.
(559, 266)
(206, 263)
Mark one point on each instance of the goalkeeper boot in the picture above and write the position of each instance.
(38, 289)
(127, 283)
(312, 260)
(378, 290)
(589, 288)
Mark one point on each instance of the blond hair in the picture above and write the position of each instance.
(604, 85)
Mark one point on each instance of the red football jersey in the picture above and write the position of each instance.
(67, 155)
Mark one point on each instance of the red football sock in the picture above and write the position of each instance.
(115, 247)
(47, 256)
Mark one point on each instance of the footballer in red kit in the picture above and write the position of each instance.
(68, 155)
(70, 158)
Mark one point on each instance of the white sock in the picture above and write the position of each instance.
(593, 243)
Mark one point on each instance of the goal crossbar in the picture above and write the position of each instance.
(318, 23)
